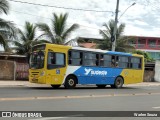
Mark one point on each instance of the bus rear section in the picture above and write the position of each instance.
(114, 69)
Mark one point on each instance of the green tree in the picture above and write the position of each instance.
(147, 57)
(26, 39)
(7, 28)
(58, 32)
(121, 42)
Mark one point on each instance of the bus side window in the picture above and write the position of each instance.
(75, 58)
(69, 57)
(51, 58)
(136, 63)
(97, 59)
(90, 59)
(117, 61)
(81, 57)
(101, 60)
(123, 62)
(113, 61)
(55, 60)
(116, 64)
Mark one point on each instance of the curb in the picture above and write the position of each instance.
(20, 83)
(28, 84)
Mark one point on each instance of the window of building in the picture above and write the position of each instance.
(141, 43)
(154, 55)
(152, 43)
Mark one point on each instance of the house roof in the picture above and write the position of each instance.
(2, 53)
(88, 45)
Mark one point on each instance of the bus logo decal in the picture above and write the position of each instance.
(87, 71)
(95, 72)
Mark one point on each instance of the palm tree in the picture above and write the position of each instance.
(7, 28)
(58, 32)
(27, 39)
(121, 42)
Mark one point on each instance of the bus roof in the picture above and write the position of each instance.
(105, 51)
(89, 49)
(93, 50)
(119, 53)
(102, 51)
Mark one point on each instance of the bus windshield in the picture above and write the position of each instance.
(37, 60)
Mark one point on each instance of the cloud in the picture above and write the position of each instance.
(139, 19)
(138, 22)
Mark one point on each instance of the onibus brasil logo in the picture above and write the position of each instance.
(95, 72)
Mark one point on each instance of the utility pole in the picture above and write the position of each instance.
(115, 28)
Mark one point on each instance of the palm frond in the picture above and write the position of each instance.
(29, 31)
(104, 34)
(4, 6)
(46, 31)
(59, 23)
(40, 41)
(2, 40)
(27, 39)
(120, 30)
(122, 41)
(69, 31)
(21, 36)
(58, 32)
(8, 26)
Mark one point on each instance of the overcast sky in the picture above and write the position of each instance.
(142, 19)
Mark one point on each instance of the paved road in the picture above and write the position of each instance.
(137, 98)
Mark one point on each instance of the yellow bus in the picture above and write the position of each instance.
(58, 65)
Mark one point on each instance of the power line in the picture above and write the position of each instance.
(78, 9)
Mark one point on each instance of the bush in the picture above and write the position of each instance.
(147, 57)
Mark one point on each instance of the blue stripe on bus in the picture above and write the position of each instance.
(95, 75)
(118, 53)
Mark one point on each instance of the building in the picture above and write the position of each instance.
(13, 67)
(150, 45)
(88, 42)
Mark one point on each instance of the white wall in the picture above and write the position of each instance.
(157, 71)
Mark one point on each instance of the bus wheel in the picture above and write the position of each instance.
(118, 83)
(101, 86)
(70, 82)
(55, 86)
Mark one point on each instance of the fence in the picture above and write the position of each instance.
(10, 70)
(7, 70)
(149, 72)
(22, 71)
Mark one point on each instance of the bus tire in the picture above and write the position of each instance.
(55, 86)
(118, 83)
(70, 82)
(101, 86)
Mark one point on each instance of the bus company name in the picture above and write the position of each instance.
(95, 72)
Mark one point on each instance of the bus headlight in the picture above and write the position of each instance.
(42, 73)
